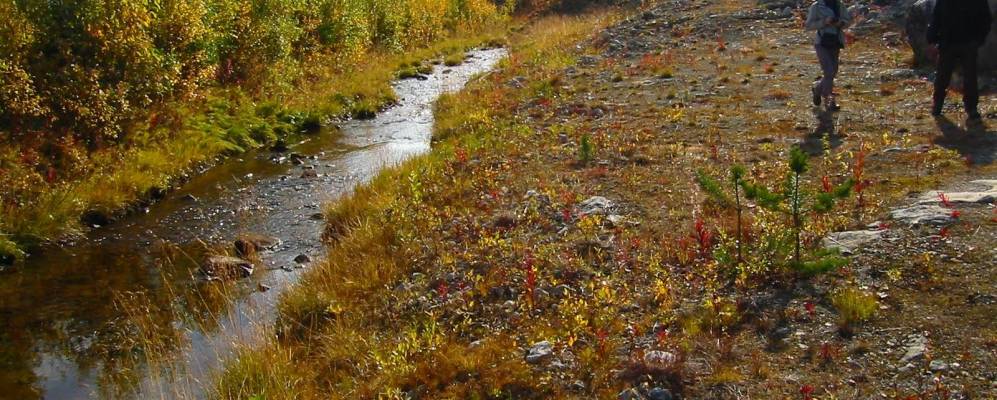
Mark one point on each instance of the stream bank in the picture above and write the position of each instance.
(70, 313)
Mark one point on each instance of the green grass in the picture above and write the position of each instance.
(192, 133)
(854, 306)
(455, 58)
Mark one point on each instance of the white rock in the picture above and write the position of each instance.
(923, 214)
(539, 351)
(849, 242)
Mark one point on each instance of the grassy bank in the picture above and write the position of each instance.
(344, 326)
(55, 172)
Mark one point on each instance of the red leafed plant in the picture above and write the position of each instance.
(811, 308)
(945, 200)
(703, 237)
(601, 335)
(443, 290)
(807, 391)
(531, 277)
(858, 170)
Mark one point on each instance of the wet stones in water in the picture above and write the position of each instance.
(226, 267)
(279, 146)
(296, 159)
(97, 218)
(249, 245)
(302, 259)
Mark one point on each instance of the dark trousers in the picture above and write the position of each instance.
(950, 56)
(829, 61)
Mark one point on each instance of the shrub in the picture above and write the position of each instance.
(585, 150)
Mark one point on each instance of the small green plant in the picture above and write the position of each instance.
(854, 306)
(454, 59)
(716, 191)
(407, 72)
(797, 203)
(9, 252)
(585, 150)
(311, 123)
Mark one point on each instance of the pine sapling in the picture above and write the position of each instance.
(797, 204)
(585, 150)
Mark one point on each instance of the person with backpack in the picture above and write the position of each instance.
(958, 28)
(829, 18)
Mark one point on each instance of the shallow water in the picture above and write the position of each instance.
(72, 317)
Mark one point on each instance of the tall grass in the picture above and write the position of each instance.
(343, 320)
(340, 61)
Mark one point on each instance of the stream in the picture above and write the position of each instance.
(123, 313)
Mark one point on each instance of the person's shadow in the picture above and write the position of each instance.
(814, 143)
(976, 143)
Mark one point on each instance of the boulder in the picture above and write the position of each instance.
(923, 214)
(849, 242)
(251, 244)
(918, 17)
(226, 267)
(987, 194)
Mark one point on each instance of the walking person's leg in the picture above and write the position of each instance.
(971, 90)
(829, 90)
(943, 76)
(822, 86)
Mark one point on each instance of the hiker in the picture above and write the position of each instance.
(958, 28)
(829, 18)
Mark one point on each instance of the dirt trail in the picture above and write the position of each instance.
(689, 84)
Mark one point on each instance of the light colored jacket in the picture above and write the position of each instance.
(819, 12)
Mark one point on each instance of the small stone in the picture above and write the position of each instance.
(262, 288)
(630, 394)
(937, 365)
(659, 394)
(225, 267)
(659, 359)
(302, 259)
(539, 351)
(916, 347)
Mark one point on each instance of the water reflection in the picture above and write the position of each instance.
(122, 314)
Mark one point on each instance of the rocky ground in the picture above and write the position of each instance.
(571, 253)
(728, 82)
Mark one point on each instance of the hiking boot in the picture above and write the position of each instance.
(816, 93)
(832, 105)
